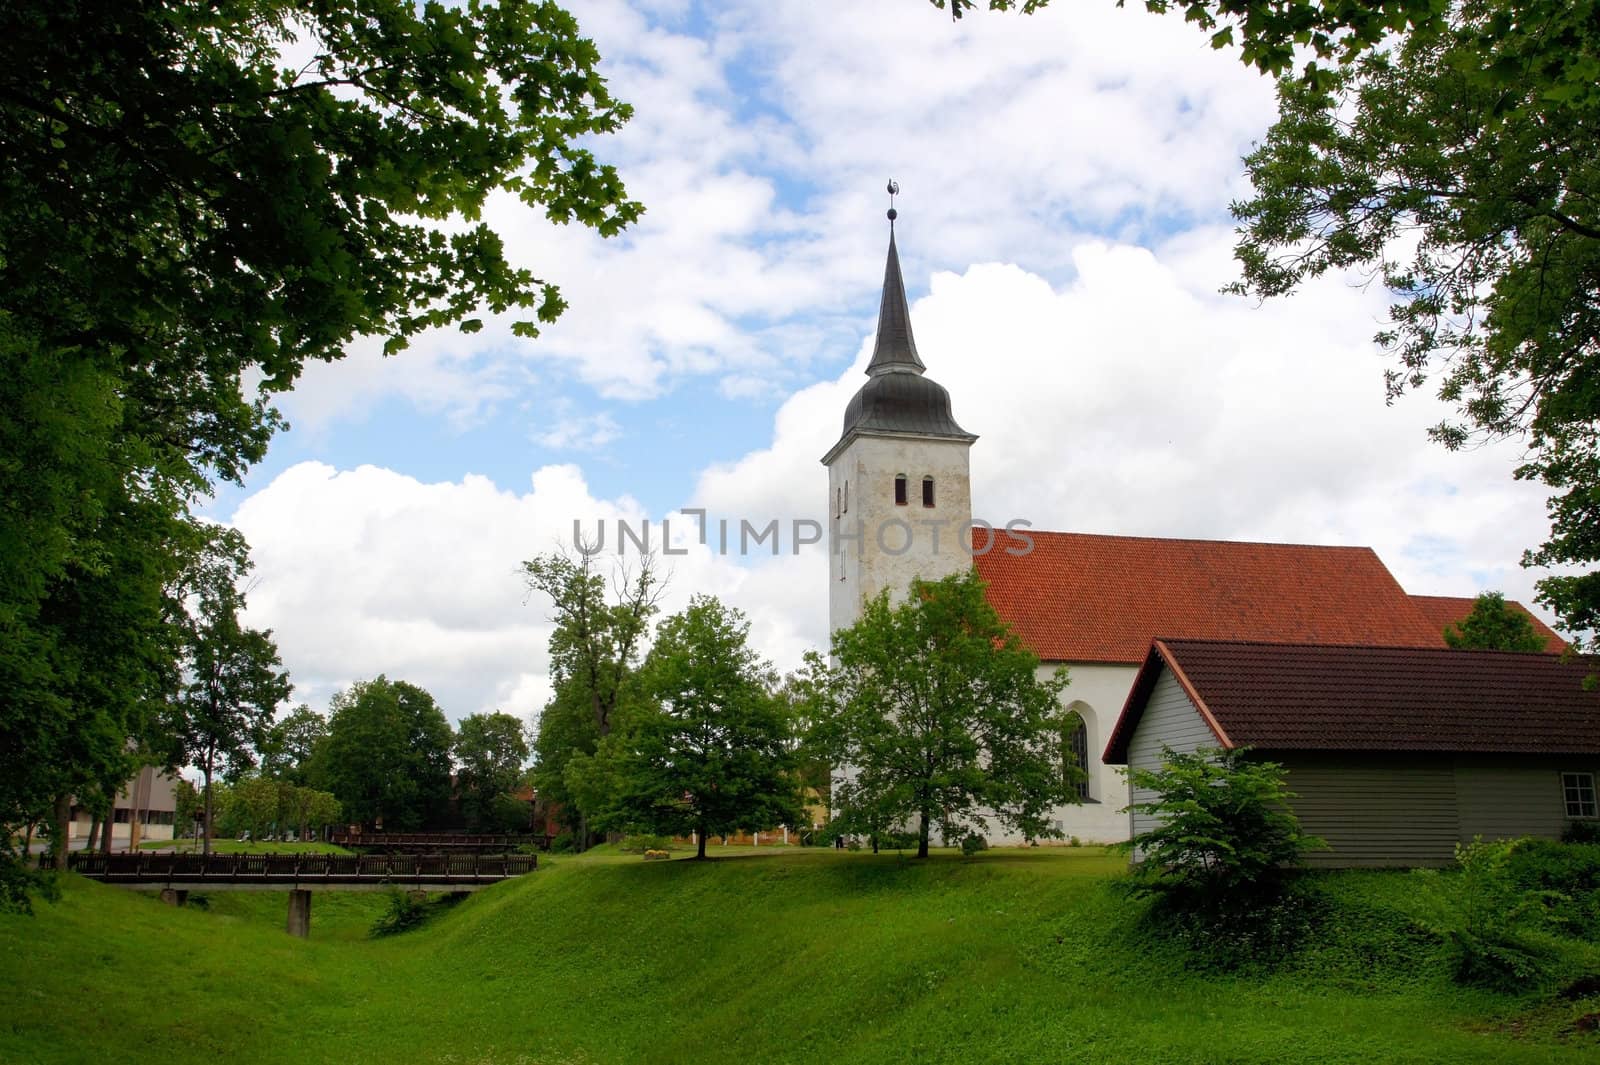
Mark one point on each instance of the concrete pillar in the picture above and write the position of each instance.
(174, 896)
(300, 913)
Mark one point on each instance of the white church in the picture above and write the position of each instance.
(900, 503)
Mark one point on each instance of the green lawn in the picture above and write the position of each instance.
(768, 956)
(229, 846)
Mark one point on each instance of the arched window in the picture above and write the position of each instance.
(900, 490)
(1075, 751)
(927, 491)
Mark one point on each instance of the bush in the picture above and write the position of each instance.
(1566, 879)
(972, 843)
(1491, 918)
(405, 913)
(653, 855)
(1226, 832)
(563, 844)
(1581, 832)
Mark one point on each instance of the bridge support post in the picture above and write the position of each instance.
(299, 913)
(174, 896)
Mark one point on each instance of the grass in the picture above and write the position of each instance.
(229, 846)
(775, 956)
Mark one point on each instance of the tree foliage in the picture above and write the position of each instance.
(707, 749)
(195, 199)
(491, 751)
(1273, 35)
(1460, 168)
(389, 755)
(1493, 625)
(292, 745)
(935, 709)
(594, 655)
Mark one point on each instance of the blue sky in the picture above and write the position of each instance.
(1063, 226)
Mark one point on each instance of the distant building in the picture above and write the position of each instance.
(144, 810)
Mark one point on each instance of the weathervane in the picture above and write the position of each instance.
(894, 190)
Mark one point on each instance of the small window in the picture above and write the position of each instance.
(900, 490)
(1578, 791)
(838, 496)
(927, 491)
(847, 497)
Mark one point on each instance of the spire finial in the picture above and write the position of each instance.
(894, 190)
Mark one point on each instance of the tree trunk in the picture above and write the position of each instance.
(94, 832)
(63, 822)
(27, 843)
(922, 835)
(700, 842)
(205, 845)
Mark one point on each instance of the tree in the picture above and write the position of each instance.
(232, 682)
(290, 746)
(935, 708)
(388, 755)
(183, 223)
(1459, 169)
(708, 749)
(1274, 35)
(1224, 829)
(594, 653)
(186, 804)
(491, 751)
(1494, 626)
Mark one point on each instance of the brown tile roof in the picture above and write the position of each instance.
(1080, 597)
(1309, 697)
(1444, 610)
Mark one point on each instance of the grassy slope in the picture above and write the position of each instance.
(809, 956)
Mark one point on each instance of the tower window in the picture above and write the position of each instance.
(847, 497)
(900, 490)
(927, 491)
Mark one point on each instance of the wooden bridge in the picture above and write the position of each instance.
(175, 875)
(426, 842)
(337, 871)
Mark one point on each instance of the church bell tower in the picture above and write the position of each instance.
(899, 482)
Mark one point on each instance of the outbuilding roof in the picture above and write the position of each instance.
(1305, 697)
(1080, 597)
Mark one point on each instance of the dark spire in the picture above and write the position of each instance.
(896, 350)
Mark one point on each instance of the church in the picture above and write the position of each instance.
(900, 506)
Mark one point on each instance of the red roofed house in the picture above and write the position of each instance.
(900, 504)
(1395, 754)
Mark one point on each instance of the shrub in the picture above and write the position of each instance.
(653, 855)
(972, 843)
(563, 844)
(405, 913)
(1225, 829)
(1581, 832)
(1490, 918)
(1566, 879)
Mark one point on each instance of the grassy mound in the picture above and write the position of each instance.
(780, 956)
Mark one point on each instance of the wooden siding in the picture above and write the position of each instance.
(1171, 720)
(1506, 798)
(1376, 811)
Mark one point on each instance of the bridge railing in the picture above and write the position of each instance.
(158, 866)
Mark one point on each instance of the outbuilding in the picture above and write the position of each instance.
(1395, 754)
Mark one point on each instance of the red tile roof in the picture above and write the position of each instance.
(1445, 610)
(1301, 697)
(1079, 597)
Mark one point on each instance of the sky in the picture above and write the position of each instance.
(1064, 230)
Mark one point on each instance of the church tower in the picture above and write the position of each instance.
(899, 483)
